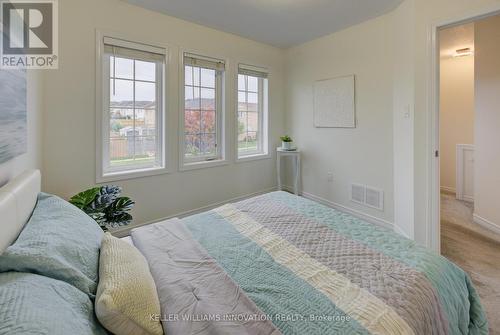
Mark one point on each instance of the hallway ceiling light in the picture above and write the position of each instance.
(463, 52)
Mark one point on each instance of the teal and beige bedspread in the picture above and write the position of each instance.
(279, 263)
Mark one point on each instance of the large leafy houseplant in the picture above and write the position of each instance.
(105, 206)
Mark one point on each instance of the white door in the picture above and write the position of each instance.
(465, 172)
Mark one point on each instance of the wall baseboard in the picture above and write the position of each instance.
(125, 231)
(486, 223)
(358, 214)
(468, 199)
(401, 232)
(448, 189)
(451, 190)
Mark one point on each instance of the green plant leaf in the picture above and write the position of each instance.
(85, 198)
(104, 205)
(117, 208)
(121, 219)
(122, 204)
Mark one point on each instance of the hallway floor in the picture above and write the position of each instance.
(474, 249)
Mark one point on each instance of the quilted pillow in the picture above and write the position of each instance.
(59, 241)
(126, 294)
(33, 304)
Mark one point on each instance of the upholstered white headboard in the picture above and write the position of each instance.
(17, 200)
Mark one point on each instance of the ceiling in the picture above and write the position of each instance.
(457, 37)
(282, 23)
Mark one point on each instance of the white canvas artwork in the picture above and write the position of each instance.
(334, 103)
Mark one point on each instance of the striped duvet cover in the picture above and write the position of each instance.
(279, 263)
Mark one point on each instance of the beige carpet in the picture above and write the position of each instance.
(474, 249)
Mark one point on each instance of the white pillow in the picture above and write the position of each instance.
(126, 293)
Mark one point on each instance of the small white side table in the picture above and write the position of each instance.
(295, 154)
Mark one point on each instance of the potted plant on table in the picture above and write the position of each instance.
(286, 142)
(105, 206)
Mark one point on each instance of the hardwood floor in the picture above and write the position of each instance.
(474, 249)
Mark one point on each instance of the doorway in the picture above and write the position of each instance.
(467, 137)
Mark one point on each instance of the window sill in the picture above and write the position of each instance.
(188, 166)
(125, 175)
(253, 157)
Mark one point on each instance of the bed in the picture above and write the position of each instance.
(305, 269)
(282, 264)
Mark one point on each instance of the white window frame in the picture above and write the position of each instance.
(102, 110)
(263, 152)
(186, 164)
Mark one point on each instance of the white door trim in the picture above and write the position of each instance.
(460, 173)
(434, 203)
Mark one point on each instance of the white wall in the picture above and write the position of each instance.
(403, 117)
(456, 113)
(391, 56)
(362, 155)
(32, 158)
(487, 131)
(69, 137)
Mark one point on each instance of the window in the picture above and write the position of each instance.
(132, 122)
(252, 111)
(202, 121)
